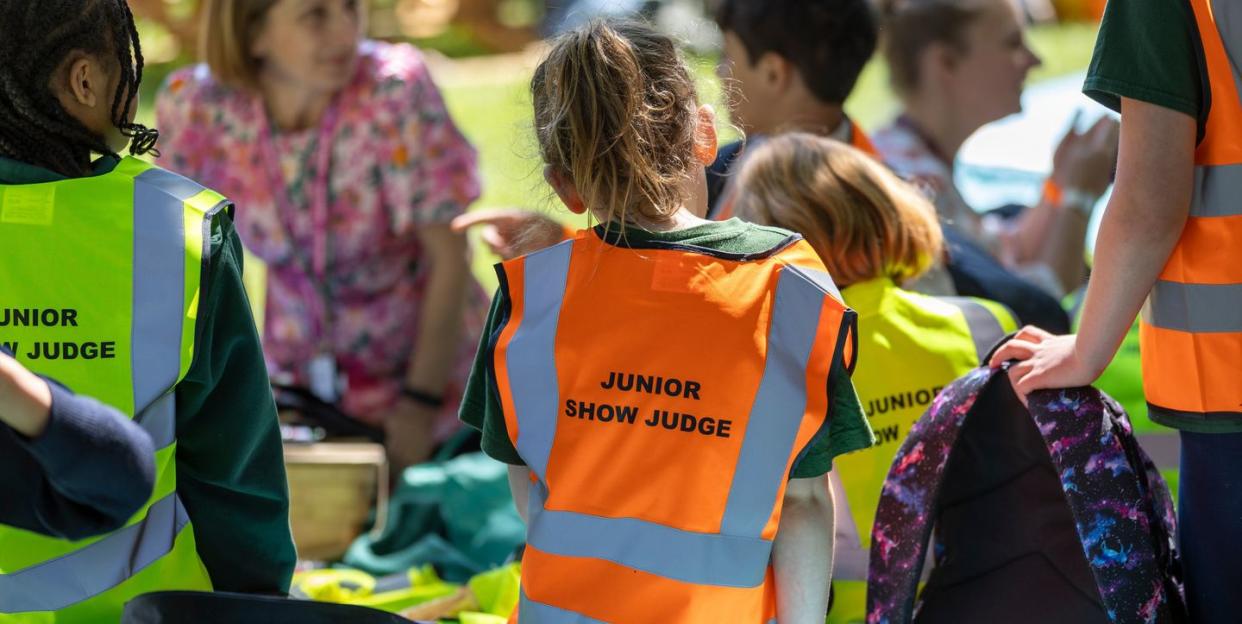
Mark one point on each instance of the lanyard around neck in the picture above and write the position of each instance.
(318, 194)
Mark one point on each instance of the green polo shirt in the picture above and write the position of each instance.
(230, 462)
(1147, 51)
(847, 430)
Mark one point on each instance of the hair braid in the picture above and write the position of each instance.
(35, 39)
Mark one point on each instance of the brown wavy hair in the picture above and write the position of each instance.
(616, 113)
(862, 220)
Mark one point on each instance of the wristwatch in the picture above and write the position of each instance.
(425, 399)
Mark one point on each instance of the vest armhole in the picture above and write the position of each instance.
(847, 331)
(503, 313)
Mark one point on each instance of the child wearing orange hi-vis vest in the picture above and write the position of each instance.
(669, 392)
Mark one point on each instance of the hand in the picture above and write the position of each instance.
(1044, 361)
(512, 232)
(1085, 161)
(408, 427)
(25, 399)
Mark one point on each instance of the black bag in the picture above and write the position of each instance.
(188, 607)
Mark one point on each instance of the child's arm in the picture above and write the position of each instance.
(519, 485)
(25, 399)
(802, 552)
(230, 461)
(90, 467)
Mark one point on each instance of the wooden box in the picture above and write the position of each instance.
(332, 488)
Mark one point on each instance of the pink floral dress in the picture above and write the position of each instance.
(396, 163)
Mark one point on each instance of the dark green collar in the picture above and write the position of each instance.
(17, 172)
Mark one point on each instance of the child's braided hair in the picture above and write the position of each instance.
(35, 39)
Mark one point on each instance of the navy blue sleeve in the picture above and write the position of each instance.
(86, 475)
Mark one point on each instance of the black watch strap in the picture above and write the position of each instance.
(422, 398)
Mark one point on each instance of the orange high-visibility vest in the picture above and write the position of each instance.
(660, 397)
(857, 139)
(1191, 330)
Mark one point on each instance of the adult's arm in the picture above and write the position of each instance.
(1053, 235)
(410, 427)
(802, 552)
(230, 462)
(95, 467)
(1141, 226)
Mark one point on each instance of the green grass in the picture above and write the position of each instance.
(496, 117)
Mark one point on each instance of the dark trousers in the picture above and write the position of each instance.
(1210, 525)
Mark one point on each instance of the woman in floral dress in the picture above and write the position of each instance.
(346, 170)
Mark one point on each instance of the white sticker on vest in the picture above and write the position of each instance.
(27, 204)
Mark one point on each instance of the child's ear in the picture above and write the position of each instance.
(776, 72)
(83, 82)
(564, 189)
(706, 142)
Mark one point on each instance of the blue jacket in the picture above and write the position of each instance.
(86, 475)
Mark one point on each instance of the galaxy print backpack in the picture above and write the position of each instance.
(1046, 514)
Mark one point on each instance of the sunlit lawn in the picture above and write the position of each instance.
(495, 114)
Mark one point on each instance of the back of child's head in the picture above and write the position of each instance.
(862, 220)
(616, 115)
(37, 37)
(828, 41)
(911, 26)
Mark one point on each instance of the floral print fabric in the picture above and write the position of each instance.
(397, 163)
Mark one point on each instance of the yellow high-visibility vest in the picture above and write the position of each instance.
(103, 277)
(910, 346)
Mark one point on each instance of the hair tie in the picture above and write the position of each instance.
(142, 139)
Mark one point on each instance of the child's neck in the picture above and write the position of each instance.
(682, 219)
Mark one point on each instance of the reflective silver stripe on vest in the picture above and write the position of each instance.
(821, 279)
(1218, 191)
(699, 558)
(160, 421)
(1228, 17)
(72, 578)
(531, 355)
(779, 405)
(159, 287)
(1196, 308)
(1164, 449)
(985, 328)
(532, 612)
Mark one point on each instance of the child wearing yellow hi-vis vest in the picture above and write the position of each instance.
(122, 281)
(874, 233)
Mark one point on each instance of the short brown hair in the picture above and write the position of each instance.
(910, 26)
(229, 28)
(861, 219)
(616, 111)
(829, 41)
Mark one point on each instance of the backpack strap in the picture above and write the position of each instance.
(904, 518)
(1123, 515)
(1122, 507)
